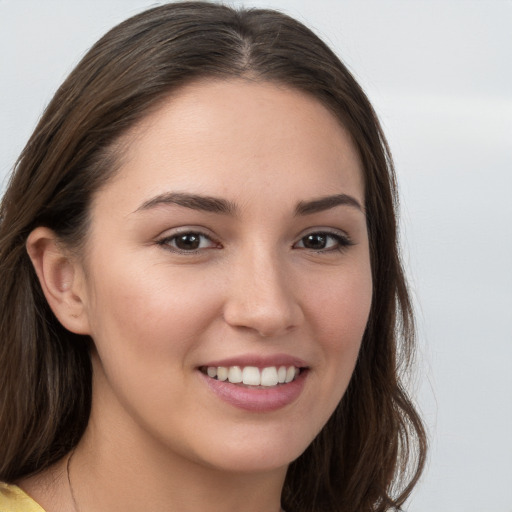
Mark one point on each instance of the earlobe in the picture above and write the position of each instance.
(61, 279)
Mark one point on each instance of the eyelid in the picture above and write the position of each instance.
(343, 239)
(169, 235)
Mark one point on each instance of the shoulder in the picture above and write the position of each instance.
(13, 499)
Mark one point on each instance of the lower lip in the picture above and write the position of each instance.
(257, 399)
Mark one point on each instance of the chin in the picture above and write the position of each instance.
(256, 455)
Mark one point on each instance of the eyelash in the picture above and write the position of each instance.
(168, 241)
(341, 242)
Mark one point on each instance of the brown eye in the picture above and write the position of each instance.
(323, 242)
(187, 242)
(315, 241)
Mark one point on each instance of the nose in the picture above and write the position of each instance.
(261, 297)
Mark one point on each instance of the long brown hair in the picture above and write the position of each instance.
(372, 450)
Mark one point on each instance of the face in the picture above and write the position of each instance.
(231, 245)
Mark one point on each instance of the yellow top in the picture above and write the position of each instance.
(13, 499)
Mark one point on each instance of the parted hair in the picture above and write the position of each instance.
(371, 452)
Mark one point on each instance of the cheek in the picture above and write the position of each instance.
(339, 305)
(149, 314)
(338, 312)
(146, 327)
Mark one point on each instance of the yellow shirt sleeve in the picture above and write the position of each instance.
(13, 499)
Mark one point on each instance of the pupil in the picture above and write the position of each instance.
(316, 241)
(188, 242)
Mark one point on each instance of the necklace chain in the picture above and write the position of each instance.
(73, 498)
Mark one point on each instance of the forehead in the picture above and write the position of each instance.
(225, 137)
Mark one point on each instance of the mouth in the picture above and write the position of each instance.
(253, 376)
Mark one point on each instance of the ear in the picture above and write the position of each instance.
(61, 278)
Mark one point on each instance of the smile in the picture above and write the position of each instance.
(253, 376)
(256, 386)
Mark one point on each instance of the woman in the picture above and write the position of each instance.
(202, 299)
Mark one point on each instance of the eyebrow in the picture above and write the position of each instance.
(326, 203)
(222, 206)
(193, 201)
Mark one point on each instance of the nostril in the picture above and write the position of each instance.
(266, 322)
(260, 297)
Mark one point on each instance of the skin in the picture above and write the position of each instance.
(158, 436)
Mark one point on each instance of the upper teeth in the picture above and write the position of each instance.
(254, 376)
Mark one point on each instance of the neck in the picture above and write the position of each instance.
(110, 473)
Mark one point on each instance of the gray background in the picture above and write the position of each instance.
(440, 76)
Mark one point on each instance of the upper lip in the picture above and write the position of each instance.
(259, 361)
